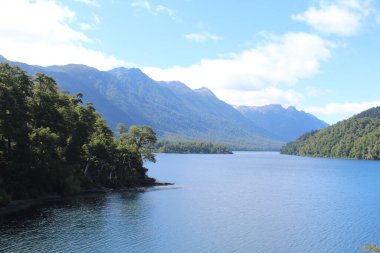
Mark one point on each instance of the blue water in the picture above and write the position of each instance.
(246, 202)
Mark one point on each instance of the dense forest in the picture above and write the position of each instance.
(191, 148)
(50, 142)
(356, 138)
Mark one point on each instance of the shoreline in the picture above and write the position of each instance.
(18, 206)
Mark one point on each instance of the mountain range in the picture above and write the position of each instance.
(285, 124)
(177, 112)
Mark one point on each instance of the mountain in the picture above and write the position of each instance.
(357, 137)
(285, 124)
(175, 111)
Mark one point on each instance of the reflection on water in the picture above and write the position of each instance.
(81, 224)
(247, 202)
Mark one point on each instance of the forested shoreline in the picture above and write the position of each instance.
(354, 138)
(187, 147)
(52, 142)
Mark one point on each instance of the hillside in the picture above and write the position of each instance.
(285, 123)
(357, 138)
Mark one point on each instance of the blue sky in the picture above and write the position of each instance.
(320, 56)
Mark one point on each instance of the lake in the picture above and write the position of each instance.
(246, 202)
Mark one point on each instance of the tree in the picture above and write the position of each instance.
(142, 139)
(133, 146)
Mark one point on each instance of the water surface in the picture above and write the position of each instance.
(246, 202)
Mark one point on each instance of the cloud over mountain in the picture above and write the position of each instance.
(283, 60)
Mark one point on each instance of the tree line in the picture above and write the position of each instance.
(185, 147)
(52, 142)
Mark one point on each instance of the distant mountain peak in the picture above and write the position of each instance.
(134, 74)
(286, 123)
(292, 108)
(274, 106)
(263, 108)
(175, 86)
(71, 67)
(2, 58)
(126, 71)
(119, 70)
(204, 92)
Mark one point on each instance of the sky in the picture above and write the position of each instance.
(320, 56)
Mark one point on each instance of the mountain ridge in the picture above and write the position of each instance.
(174, 110)
(285, 123)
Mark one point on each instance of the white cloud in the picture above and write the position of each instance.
(164, 9)
(202, 37)
(94, 3)
(265, 96)
(41, 34)
(90, 26)
(157, 9)
(85, 26)
(343, 109)
(144, 4)
(342, 17)
(284, 60)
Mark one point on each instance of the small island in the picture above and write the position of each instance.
(187, 147)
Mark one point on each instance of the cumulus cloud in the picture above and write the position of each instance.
(283, 60)
(342, 17)
(202, 37)
(41, 34)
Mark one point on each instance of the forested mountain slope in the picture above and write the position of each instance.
(357, 138)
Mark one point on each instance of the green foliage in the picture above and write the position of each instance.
(357, 138)
(191, 148)
(373, 113)
(51, 142)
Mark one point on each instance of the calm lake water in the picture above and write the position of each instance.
(246, 202)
